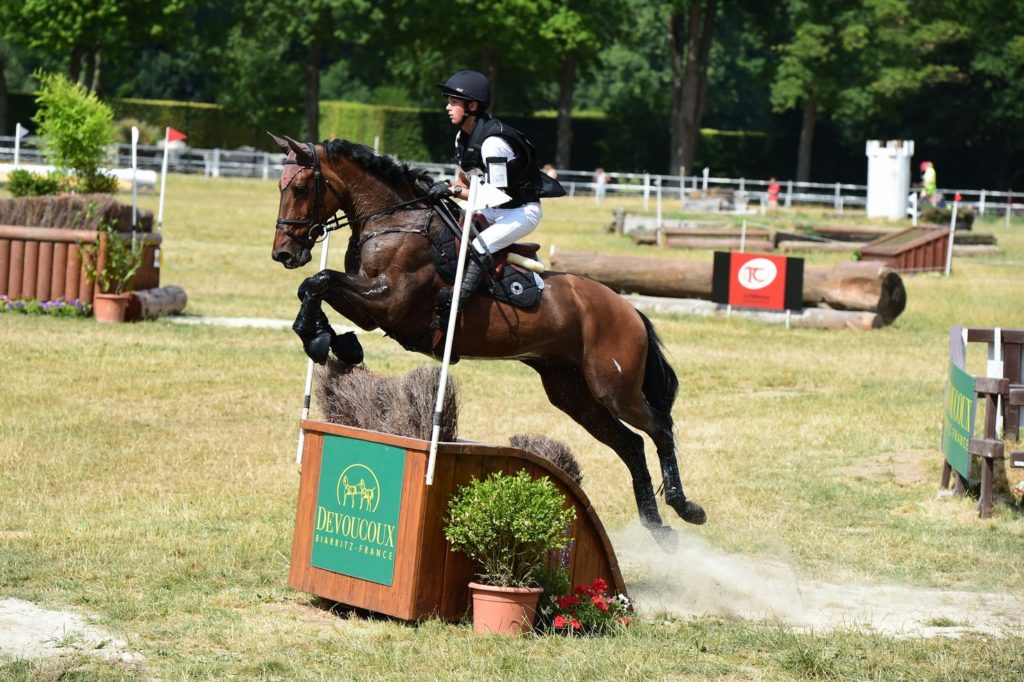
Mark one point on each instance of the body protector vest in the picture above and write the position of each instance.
(526, 182)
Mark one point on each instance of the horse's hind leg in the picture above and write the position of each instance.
(568, 391)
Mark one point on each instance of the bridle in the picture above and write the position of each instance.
(316, 226)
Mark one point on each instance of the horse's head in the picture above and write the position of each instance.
(305, 207)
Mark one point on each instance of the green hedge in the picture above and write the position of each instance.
(426, 135)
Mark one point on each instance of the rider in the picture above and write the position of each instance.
(486, 144)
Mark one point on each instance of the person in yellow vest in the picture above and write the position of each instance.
(929, 188)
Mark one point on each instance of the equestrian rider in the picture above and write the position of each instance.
(486, 144)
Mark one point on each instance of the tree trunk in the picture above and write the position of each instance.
(97, 63)
(313, 88)
(855, 285)
(566, 87)
(803, 163)
(489, 65)
(75, 68)
(3, 97)
(689, 62)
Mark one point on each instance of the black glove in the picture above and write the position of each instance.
(439, 191)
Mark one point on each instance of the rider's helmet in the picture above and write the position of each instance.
(468, 85)
(925, 164)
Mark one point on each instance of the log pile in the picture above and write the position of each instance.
(864, 286)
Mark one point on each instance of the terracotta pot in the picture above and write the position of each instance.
(506, 611)
(110, 307)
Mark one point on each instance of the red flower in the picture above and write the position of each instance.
(559, 621)
(565, 602)
(575, 624)
(582, 589)
(600, 603)
(625, 620)
(600, 586)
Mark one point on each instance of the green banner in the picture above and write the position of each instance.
(958, 426)
(358, 501)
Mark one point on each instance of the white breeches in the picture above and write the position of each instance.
(508, 225)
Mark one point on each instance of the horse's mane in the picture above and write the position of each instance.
(381, 166)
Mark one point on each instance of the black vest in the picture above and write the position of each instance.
(526, 182)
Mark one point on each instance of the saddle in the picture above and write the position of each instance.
(504, 282)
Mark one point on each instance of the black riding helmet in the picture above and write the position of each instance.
(469, 85)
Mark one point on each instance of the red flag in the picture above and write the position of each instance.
(957, 196)
(173, 135)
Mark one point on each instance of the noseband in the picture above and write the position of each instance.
(316, 227)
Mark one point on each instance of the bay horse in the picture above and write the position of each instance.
(599, 359)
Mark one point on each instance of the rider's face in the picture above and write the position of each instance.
(457, 109)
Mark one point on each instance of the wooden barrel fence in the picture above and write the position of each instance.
(427, 577)
(44, 263)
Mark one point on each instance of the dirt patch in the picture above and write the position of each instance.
(30, 631)
(700, 580)
(908, 467)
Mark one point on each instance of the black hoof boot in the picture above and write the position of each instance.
(691, 512)
(667, 538)
(347, 348)
(316, 335)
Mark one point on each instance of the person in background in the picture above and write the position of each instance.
(550, 171)
(929, 184)
(600, 183)
(773, 194)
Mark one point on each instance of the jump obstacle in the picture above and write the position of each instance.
(1003, 398)
(369, 533)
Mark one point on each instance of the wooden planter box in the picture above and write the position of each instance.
(355, 543)
(44, 263)
(915, 249)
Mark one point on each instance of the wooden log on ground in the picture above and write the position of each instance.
(858, 285)
(818, 318)
(719, 243)
(831, 247)
(147, 304)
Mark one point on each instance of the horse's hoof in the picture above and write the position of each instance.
(347, 348)
(667, 538)
(691, 512)
(317, 347)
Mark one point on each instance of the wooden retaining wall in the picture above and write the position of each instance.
(45, 263)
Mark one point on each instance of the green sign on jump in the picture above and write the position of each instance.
(358, 502)
(958, 426)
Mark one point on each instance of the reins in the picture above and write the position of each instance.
(317, 227)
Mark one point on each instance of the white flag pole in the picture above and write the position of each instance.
(952, 234)
(442, 384)
(163, 180)
(309, 367)
(135, 168)
(19, 132)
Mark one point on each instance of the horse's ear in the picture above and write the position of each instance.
(301, 150)
(280, 143)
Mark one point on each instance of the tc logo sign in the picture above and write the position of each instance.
(757, 273)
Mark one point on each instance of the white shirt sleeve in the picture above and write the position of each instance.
(496, 146)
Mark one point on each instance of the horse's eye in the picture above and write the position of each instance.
(300, 190)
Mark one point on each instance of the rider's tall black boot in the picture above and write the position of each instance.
(470, 279)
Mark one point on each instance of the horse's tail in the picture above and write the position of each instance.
(660, 382)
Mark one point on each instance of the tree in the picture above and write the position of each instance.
(855, 59)
(690, 28)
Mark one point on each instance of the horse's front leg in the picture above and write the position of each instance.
(355, 296)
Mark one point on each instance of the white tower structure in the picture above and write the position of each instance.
(888, 178)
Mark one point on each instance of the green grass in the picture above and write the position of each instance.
(149, 475)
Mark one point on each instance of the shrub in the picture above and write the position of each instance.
(120, 264)
(74, 125)
(509, 525)
(23, 183)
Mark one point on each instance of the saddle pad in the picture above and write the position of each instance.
(510, 284)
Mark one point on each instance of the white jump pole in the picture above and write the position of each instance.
(309, 367)
(442, 384)
(952, 233)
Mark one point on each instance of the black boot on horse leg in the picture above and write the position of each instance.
(688, 511)
(647, 506)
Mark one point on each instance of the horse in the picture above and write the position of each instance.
(600, 360)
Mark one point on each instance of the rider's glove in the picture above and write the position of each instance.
(439, 191)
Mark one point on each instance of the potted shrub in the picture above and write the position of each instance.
(508, 525)
(111, 263)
